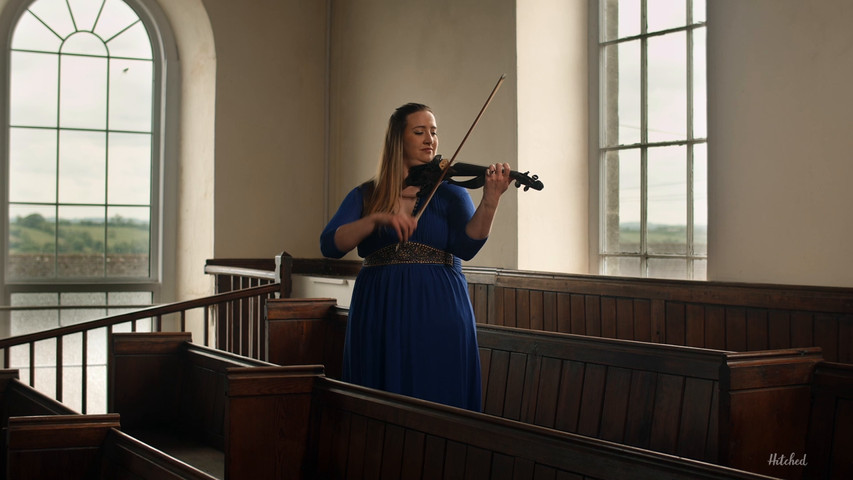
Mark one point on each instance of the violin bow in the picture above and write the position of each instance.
(446, 168)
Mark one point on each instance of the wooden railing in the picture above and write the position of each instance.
(77, 354)
(731, 316)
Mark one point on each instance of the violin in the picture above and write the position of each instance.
(427, 174)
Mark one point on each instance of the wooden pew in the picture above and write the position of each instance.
(171, 394)
(303, 331)
(83, 447)
(830, 441)
(730, 408)
(718, 315)
(711, 405)
(19, 399)
(326, 429)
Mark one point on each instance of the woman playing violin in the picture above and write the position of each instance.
(411, 327)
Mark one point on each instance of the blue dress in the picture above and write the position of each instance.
(411, 328)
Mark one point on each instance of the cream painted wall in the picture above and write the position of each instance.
(447, 54)
(270, 136)
(780, 145)
(194, 222)
(553, 224)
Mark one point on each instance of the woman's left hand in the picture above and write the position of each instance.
(497, 182)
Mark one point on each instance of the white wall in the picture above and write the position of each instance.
(447, 54)
(553, 224)
(780, 144)
(270, 113)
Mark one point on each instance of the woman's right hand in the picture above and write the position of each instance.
(348, 236)
(401, 223)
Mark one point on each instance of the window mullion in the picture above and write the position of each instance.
(644, 140)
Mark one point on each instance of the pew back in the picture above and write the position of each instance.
(830, 440)
(172, 394)
(326, 429)
(716, 315)
(709, 405)
(82, 447)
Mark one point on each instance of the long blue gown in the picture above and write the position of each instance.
(411, 327)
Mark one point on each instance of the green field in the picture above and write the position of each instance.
(34, 234)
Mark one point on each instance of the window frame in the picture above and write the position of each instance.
(598, 150)
(165, 114)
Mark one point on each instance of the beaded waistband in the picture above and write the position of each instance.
(408, 252)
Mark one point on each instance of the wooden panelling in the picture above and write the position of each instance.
(717, 315)
(830, 439)
(664, 398)
(433, 441)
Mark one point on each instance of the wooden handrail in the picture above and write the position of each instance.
(145, 313)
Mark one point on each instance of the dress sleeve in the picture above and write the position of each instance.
(349, 211)
(460, 212)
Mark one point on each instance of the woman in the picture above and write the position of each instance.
(411, 326)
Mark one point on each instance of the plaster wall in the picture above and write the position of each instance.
(779, 164)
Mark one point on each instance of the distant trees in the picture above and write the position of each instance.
(36, 234)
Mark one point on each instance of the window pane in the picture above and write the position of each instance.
(700, 269)
(700, 85)
(32, 241)
(129, 169)
(81, 242)
(700, 199)
(621, 18)
(84, 43)
(623, 266)
(75, 316)
(55, 14)
(32, 99)
(82, 97)
(699, 9)
(116, 16)
(85, 12)
(665, 14)
(30, 321)
(667, 268)
(128, 241)
(622, 101)
(82, 167)
(622, 202)
(667, 200)
(32, 165)
(30, 34)
(132, 43)
(667, 60)
(130, 95)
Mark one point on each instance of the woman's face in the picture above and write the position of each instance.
(420, 138)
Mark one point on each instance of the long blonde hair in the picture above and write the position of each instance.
(389, 180)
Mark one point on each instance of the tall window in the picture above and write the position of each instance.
(652, 138)
(82, 212)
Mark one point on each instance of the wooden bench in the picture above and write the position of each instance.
(830, 441)
(721, 407)
(171, 394)
(729, 408)
(43, 438)
(83, 447)
(717, 315)
(306, 425)
(304, 331)
(19, 399)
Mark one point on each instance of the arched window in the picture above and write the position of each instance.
(82, 217)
